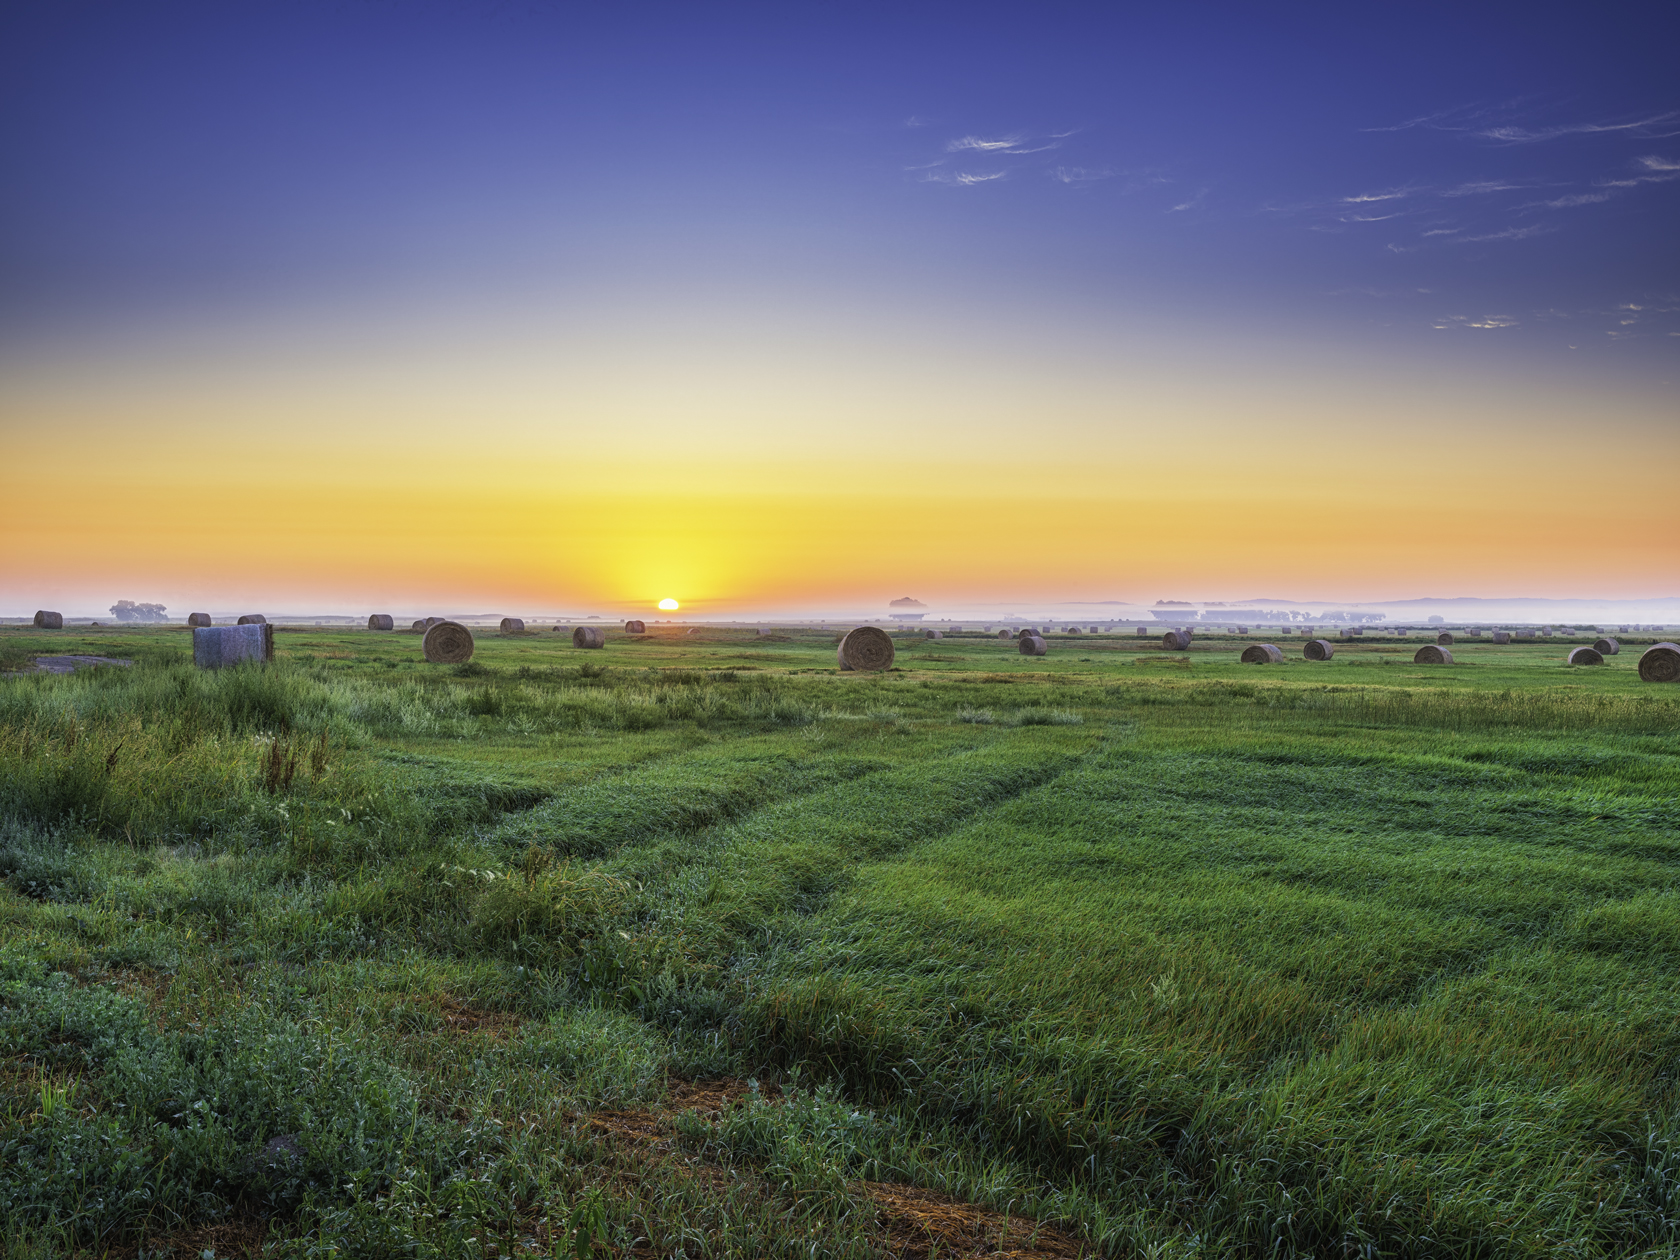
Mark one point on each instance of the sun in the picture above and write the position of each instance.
(668, 604)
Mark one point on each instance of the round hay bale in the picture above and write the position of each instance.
(447, 643)
(1429, 654)
(379, 621)
(45, 620)
(253, 619)
(1025, 632)
(1096, 630)
(1143, 632)
(1175, 641)
(1607, 647)
(1004, 634)
(1318, 649)
(867, 648)
(692, 630)
(1660, 663)
(1501, 636)
(1585, 656)
(1032, 645)
(1444, 639)
(1242, 629)
(513, 625)
(203, 619)
(635, 627)
(1262, 654)
(217, 646)
(933, 634)
(1074, 630)
(419, 625)
(589, 637)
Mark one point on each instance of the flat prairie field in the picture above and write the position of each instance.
(695, 946)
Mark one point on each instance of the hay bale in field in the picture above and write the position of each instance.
(1175, 641)
(253, 619)
(1585, 656)
(513, 625)
(447, 643)
(589, 637)
(1429, 654)
(1444, 639)
(933, 634)
(1032, 645)
(1242, 629)
(217, 646)
(45, 620)
(201, 619)
(635, 627)
(1660, 663)
(1005, 634)
(1318, 649)
(1501, 636)
(1474, 633)
(692, 630)
(1607, 647)
(419, 625)
(379, 621)
(867, 648)
(1143, 632)
(1262, 654)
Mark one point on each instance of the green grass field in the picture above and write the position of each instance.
(695, 946)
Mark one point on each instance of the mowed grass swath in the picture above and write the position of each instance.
(1127, 950)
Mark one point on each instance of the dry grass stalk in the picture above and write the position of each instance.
(447, 643)
(867, 648)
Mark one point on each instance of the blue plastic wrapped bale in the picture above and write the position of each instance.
(216, 646)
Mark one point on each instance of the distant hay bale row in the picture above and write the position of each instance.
(203, 619)
(589, 637)
(635, 627)
(1032, 645)
(381, 621)
(513, 625)
(447, 643)
(45, 620)
(867, 648)
(1585, 656)
(1262, 654)
(215, 647)
(1660, 663)
(1607, 647)
(1318, 649)
(1430, 654)
(253, 619)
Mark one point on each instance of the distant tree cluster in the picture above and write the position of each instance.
(128, 610)
(1334, 615)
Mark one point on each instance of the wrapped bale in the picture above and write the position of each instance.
(1318, 649)
(447, 643)
(253, 619)
(202, 619)
(45, 620)
(1607, 647)
(867, 649)
(1501, 636)
(1429, 654)
(1585, 656)
(589, 637)
(215, 647)
(380, 621)
(1032, 645)
(635, 627)
(1444, 639)
(1660, 663)
(513, 625)
(1262, 654)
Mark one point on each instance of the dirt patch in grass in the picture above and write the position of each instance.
(461, 1018)
(227, 1240)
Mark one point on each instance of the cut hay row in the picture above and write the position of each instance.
(447, 643)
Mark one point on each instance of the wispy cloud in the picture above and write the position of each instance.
(1466, 321)
(1574, 199)
(1482, 187)
(1006, 144)
(1656, 127)
(963, 179)
(1393, 194)
(1195, 203)
(1508, 234)
(1078, 175)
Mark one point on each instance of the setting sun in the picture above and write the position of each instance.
(668, 604)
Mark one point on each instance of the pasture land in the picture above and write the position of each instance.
(695, 946)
